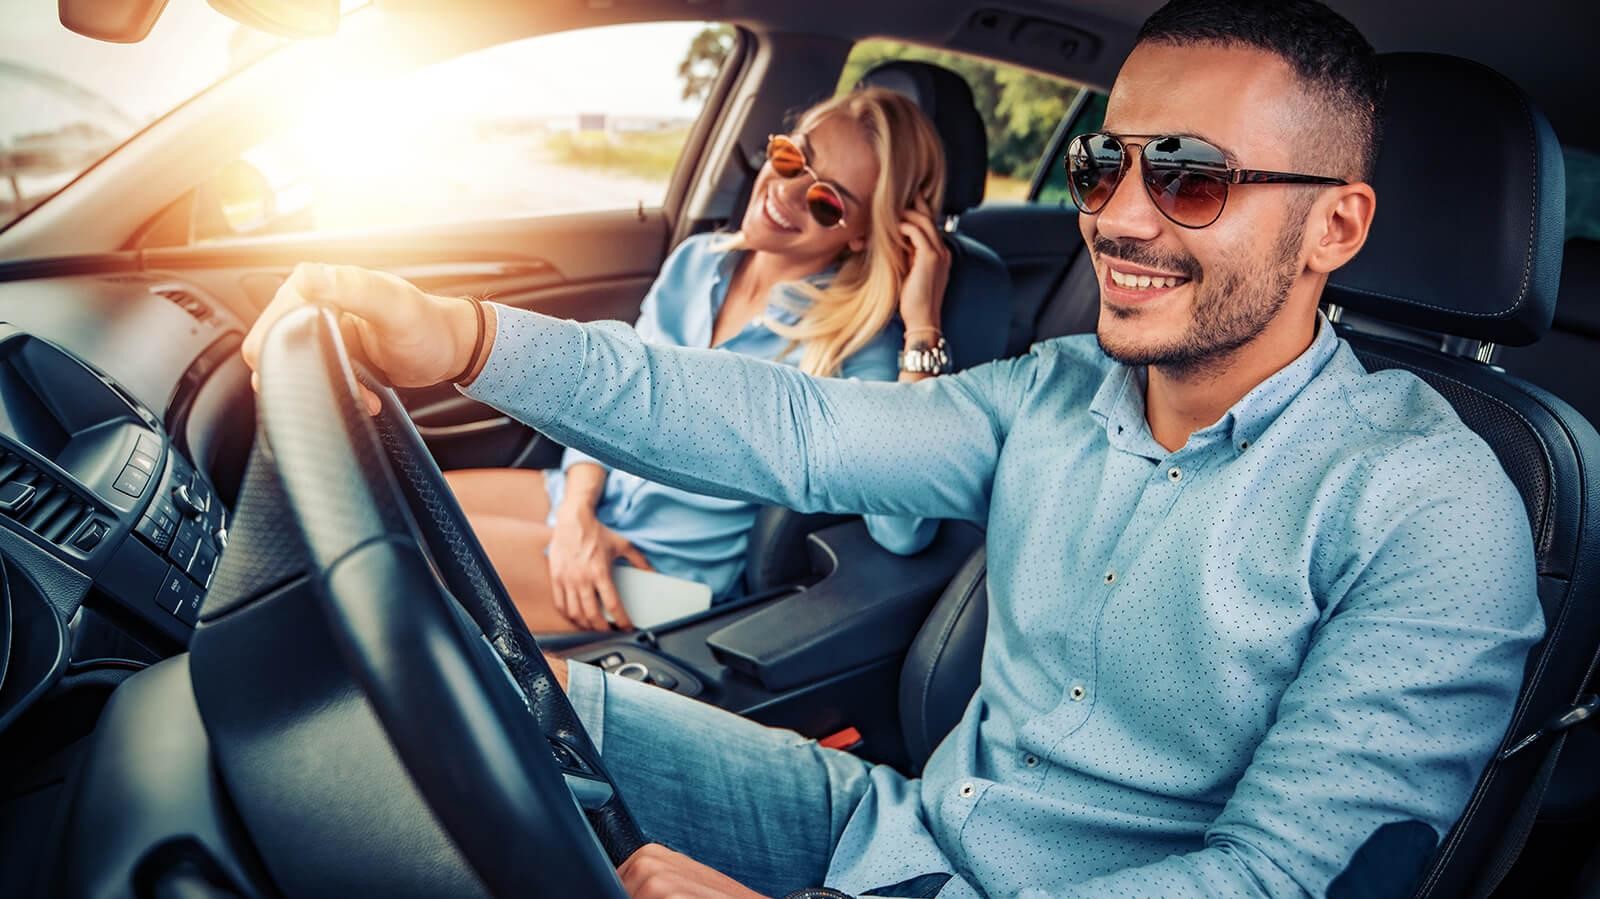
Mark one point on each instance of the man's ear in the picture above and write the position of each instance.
(1340, 222)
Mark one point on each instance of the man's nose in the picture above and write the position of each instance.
(1130, 212)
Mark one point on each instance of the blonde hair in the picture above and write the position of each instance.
(864, 295)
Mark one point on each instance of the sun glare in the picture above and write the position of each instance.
(543, 124)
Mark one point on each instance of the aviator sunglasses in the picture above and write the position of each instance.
(1187, 179)
(824, 200)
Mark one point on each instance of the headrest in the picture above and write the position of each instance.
(1578, 309)
(1471, 194)
(946, 99)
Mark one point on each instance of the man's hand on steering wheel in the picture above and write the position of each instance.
(414, 338)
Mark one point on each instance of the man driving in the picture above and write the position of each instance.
(1257, 617)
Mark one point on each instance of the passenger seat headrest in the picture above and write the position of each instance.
(946, 99)
(1471, 195)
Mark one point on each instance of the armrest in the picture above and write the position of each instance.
(868, 606)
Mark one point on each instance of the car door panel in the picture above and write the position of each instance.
(584, 266)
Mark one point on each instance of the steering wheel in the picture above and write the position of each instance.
(472, 709)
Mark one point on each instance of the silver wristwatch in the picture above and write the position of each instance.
(924, 358)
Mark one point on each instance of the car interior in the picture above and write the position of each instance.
(241, 633)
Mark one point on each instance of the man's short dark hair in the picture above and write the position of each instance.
(1334, 61)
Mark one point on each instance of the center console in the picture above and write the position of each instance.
(89, 479)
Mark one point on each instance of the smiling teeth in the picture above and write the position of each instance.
(772, 210)
(1142, 282)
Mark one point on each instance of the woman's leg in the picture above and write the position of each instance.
(507, 509)
(502, 492)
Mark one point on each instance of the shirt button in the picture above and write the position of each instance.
(1174, 474)
(1032, 761)
(1244, 445)
(1077, 692)
(968, 790)
(1111, 577)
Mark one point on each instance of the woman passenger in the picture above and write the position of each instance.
(836, 267)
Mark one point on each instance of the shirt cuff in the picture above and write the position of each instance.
(534, 364)
(586, 690)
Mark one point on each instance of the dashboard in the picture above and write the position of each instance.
(125, 417)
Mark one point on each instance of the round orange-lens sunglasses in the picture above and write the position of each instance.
(825, 201)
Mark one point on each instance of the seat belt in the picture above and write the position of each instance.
(1527, 814)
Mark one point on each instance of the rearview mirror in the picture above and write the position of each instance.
(286, 18)
(117, 21)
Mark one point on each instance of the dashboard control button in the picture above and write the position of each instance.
(663, 680)
(187, 506)
(152, 530)
(173, 590)
(221, 536)
(203, 565)
(131, 482)
(164, 505)
(143, 462)
(184, 544)
(201, 491)
(90, 536)
(150, 445)
(610, 661)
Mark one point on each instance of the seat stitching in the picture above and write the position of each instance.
(1533, 218)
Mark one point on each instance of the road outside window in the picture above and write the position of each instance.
(550, 124)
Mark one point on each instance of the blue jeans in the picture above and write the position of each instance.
(762, 805)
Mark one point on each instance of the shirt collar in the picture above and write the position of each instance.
(785, 304)
(1119, 402)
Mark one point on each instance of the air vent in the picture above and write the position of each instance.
(186, 301)
(37, 501)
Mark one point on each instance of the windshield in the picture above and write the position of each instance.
(67, 100)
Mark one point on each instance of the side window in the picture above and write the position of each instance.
(1021, 109)
(1583, 194)
(548, 124)
(1090, 116)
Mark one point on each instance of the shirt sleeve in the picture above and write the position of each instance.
(731, 426)
(1404, 694)
(648, 325)
(879, 361)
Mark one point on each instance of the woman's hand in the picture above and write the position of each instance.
(582, 551)
(414, 338)
(922, 295)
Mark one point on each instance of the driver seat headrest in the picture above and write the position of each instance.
(946, 99)
(1471, 191)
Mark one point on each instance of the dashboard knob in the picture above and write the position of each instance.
(187, 505)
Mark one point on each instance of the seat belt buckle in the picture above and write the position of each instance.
(847, 740)
(1587, 706)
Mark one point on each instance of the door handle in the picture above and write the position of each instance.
(465, 429)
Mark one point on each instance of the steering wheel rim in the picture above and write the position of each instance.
(477, 720)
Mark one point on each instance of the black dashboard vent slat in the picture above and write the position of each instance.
(45, 506)
(54, 512)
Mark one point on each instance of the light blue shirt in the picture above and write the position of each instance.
(1228, 670)
(687, 534)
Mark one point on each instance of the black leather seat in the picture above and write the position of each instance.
(974, 313)
(1482, 267)
(1560, 362)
